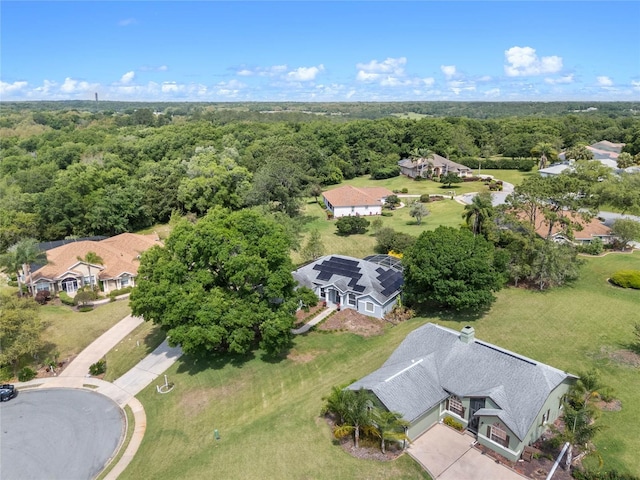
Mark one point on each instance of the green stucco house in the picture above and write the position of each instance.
(505, 399)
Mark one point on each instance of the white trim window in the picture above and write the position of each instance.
(455, 406)
(124, 281)
(351, 299)
(498, 435)
(369, 307)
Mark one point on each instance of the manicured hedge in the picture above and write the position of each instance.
(522, 164)
(66, 299)
(626, 279)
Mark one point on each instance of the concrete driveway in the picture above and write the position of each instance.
(449, 455)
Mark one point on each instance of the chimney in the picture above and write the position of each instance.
(467, 334)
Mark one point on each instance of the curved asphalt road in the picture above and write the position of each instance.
(58, 434)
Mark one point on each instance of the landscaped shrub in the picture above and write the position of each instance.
(351, 225)
(98, 368)
(5, 373)
(626, 279)
(43, 296)
(594, 248)
(424, 198)
(522, 164)
(385, 172)
(453, 423)
(471, 179)
(66, 299)
(386, 213)
(405, 190)
(114, 293)
(579, 474)
(26, 374)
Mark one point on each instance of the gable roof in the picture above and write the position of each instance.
(604, 151)
(590, 229)
(353, 275)
(436, 160)
(119, 254)
(432, 363)
(350, 196)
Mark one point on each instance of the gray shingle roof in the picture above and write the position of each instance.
(350, 274)
(432, 362)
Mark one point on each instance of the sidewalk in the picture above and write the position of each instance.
(316, 320)
(123, 390)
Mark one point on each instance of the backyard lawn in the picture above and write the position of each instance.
(267, 412)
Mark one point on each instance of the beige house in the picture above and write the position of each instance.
(66, 271)
(434, 166)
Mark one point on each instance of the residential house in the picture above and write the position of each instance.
(582, 231)
(66, 271)
(605, 152)
(503, 398)
(362, 285)
(349, 201)
(435, 166)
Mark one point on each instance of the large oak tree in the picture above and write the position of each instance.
(452, 268)
(223, 284)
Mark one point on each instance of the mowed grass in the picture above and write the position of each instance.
(132, 349)
(68, 332)
(573, 328)
(267, 412)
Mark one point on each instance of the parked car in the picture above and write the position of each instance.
(7, 392)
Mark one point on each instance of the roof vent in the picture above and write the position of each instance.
(467, 334)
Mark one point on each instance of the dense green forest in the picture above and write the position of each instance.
(87, 168)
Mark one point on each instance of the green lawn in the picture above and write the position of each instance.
(132, 349)
(267, 412)
(68, 332)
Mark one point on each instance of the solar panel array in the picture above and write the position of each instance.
(343, 267)
(390, 280)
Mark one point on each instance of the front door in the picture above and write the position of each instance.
(475, 405)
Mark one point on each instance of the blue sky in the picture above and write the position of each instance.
(320, 51)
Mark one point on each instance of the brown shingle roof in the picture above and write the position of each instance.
(119, 254)
(349, 196)
(591, 229)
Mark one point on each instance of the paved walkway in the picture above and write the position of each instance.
(449, 455)
(316, 320)
(124, 389)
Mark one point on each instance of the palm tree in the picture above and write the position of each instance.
(356, 415)
(389, 426)
(20, 257)
(423, 156)
(10, 264)
(545, 151)
(478, 212)
(91, 258)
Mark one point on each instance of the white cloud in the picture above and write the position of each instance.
(305, 74)
(448, 70)
(459, 86)
(244, 72)
(127, 77)
(171, 87)
(559, 80)
(154, 68)
(271, 71)
(375, 70)
(75, 86)
(11, 87)
(485, 78)
(523, 61)
(127, 21)
(604, 81)
(635, 85)
(493, 93)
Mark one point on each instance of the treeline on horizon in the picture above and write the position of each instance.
(370, 110)
(77, 172)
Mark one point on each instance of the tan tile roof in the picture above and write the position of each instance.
(593, 228)
(119, 254)
(349, 196)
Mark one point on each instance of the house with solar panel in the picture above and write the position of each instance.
(506, 400)
(370, 286)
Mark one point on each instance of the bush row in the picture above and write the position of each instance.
(114, 293)
(522, 164)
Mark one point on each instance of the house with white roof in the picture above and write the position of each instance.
(368, 287)
(505, 399)
(605, 152)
